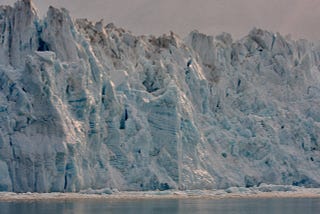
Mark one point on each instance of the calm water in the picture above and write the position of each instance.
(234, 206)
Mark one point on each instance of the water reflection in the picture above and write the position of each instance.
(229, 206)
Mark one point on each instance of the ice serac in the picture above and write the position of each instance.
(88, 106)
(18, 32)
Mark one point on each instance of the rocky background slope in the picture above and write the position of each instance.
(83, 105)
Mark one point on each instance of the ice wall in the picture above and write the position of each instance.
(83, 105)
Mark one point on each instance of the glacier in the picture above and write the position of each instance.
(89, 106)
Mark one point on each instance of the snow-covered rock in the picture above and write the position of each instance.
(83, 106)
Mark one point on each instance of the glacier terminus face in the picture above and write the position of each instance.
(84, 105)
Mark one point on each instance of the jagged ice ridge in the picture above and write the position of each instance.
(83, 105)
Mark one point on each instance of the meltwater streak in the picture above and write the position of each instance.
(179, 206)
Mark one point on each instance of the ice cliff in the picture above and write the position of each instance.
(83, 105)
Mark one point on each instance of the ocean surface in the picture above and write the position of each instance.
(181, 206)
